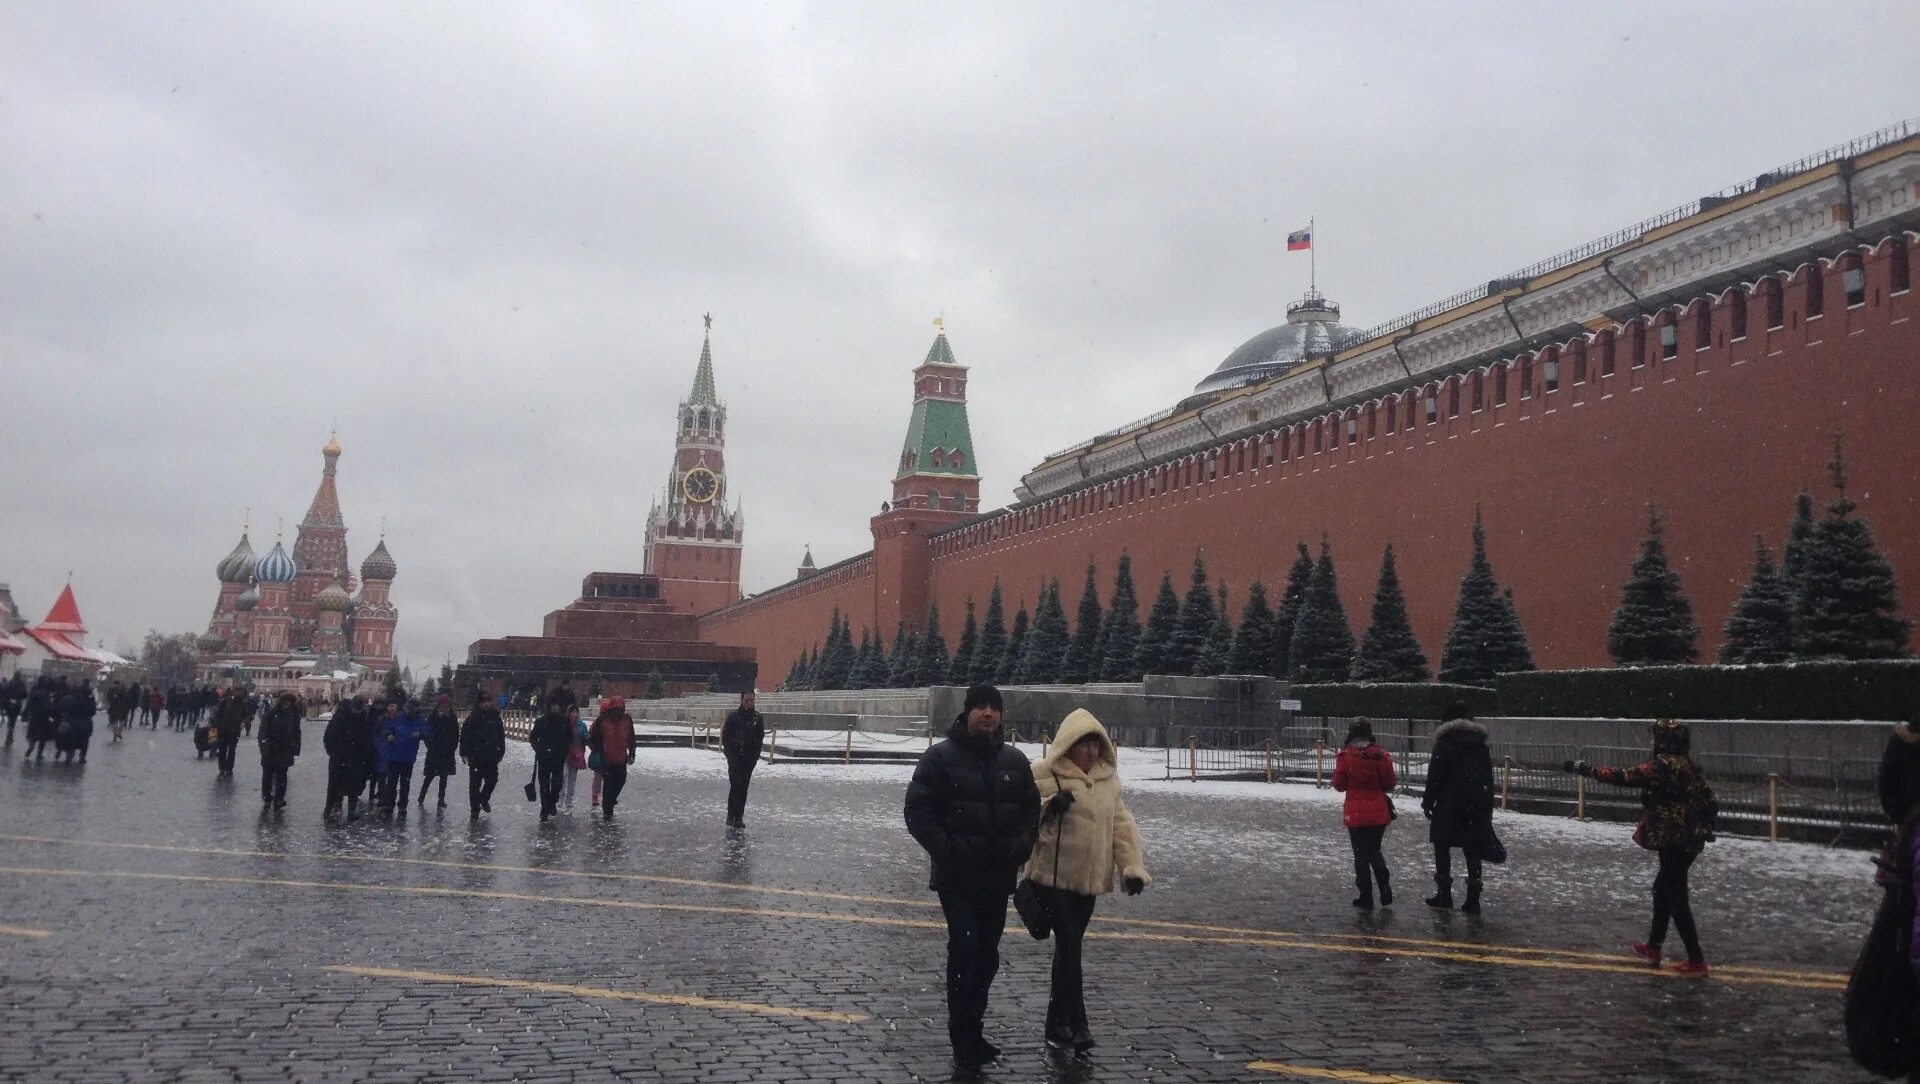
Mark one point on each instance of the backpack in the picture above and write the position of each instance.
(1882, 1005)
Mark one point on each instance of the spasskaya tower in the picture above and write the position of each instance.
(693, 534)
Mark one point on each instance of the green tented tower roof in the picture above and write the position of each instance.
(939, 440)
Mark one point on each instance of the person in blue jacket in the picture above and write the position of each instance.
(396, 742)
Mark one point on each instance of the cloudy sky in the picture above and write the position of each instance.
(478, 238)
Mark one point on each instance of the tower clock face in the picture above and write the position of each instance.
(700, 485)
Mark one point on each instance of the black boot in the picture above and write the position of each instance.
(1386, 891)
(1443, 899)
(1472, 906)
(1364, 900)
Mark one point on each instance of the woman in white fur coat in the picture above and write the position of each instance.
(1087, 837)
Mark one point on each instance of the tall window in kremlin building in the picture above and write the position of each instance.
(693, 536)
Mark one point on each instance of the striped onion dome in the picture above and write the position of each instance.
(249, 598)
(276, 566)
(333, 597)
(237, 567)
(379, 564)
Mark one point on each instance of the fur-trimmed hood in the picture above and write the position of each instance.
(1095, 840)
(1905, 732)
(1461, 730)
(1079, 724)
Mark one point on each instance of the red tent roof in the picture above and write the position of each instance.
(60, 646)
(65, 615)
(11, 645)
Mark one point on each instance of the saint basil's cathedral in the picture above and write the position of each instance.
(295, 621)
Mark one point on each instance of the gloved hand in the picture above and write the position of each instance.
(1577, 767)
(1427, 813)
(1133, 886)
(1059, 804)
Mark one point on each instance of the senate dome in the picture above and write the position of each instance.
(1313, 329)
(276, 566)
(237, 567)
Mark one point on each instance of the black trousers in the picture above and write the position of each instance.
(481, 779)
(1443, 865)
(395, 785)
(1369, 865)
(225, 751)
(974, 925)
(739, 775)
(273, 784)
(547, 774)
(613, 779)
(1671, 902)
(343, 781)
(1066, 1003)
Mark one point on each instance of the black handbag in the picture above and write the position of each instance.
(1027, 900)
(1492, 851)
(533, 794)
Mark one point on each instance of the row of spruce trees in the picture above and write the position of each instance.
(1832, 596)
(1304, 638)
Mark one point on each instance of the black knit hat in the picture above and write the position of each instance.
(984, 696)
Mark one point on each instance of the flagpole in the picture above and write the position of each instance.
(1313, 257)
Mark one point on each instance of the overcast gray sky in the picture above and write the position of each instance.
(479, 238)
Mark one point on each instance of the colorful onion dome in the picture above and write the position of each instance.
(333, 597)
(379, 564)
(249, 598)
(276, 566)
(210, 642)
(237, 567)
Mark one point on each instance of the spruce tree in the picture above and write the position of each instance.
(1389, 651)
(1016, 644)
(1760, 629)
(1252, 651)
(1154, 653)
(1480, 632)
(879, 664)
(836, 658)
(960, 671)
(793, 673)
(934, 662)
(1849, 606)
(1322, 647)
(1287, 612)
(907, 674)
(1046, 644)
(1653, 625)
(1082, 661)
(1212, 659)
(1120, 632)
(1512, 654)
(992, 644)
(1195, 628)
(896, 660)
(860, 674)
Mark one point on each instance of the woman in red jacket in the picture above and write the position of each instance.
(1364, 773)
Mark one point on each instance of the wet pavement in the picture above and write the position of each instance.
(157, 924)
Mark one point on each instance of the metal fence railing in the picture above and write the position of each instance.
(1773, 796)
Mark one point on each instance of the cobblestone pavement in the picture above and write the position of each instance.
(159, 926)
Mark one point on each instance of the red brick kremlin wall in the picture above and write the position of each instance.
(1721, 436)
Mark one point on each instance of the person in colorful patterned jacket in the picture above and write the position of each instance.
(1677, 824)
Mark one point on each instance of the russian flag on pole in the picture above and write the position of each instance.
(1300, 239)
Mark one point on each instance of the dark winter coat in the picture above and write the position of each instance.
(483, 737)
(443, 741)
(743, 735)
(1900, 773)
(43, 713)
(279, 736)
(551, 737)
(13, 695)
(1459, 793)
(974, 807)
(231, 715)
(349, 738)
(76, 720)
(1679, 806)
(1365, 774)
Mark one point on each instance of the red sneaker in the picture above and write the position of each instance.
(1649, 953)
(1693, 968)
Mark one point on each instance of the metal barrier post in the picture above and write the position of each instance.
(929, 737)
(1269, 760)
(1773, 808)
(1193, 758)
(1506, 781)
(849, 756)
(1580, 797)
(773, 742)
(1319, 763)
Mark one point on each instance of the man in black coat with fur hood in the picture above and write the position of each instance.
(973, 805)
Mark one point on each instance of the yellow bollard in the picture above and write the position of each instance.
(773, 742)
(1193, 759)
(1506, 781)
(849, 757)
(1580, 797)
(1319, 763)
(1269, 760)
(1773, 808)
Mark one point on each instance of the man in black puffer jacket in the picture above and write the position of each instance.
(973, 805)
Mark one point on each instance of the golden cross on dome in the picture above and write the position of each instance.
(940, 324)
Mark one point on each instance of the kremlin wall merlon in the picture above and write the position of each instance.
(1717, 402)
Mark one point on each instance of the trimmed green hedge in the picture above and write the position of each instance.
(1391, 701)
(1884, 689)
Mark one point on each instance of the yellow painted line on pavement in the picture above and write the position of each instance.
(23, 931)
(1353, 1076)
(1487, 958)
(685, 1000)
(1237, 933)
